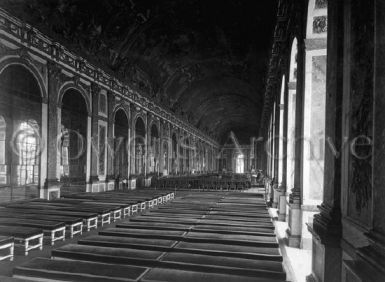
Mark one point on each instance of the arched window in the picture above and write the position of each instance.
(27, 142)
(73, 145)
(140, 150)
(165, 157)
(20, 125)
(154, 150)
(240, 164)
(120, 145)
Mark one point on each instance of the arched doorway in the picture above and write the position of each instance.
(120, 146)
(73, 146)
(154, 150)
(20, 133)
(140, 150)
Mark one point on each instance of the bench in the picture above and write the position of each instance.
(46, 269)
(116, 208)
(24, 237)
(103, 212)
(174, 215)
(90, 220)
(234, 239)
(54, 230)
(107, 254)
(7, 242)
(173, 275)
(221, 264)
(75, 225)
(173, 260)
(128, 242)
(154, 226)
(143, 233)
(250, 252)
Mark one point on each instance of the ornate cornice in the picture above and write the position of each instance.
(30, 37)
(281, 35)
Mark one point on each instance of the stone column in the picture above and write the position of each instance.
(294, 230)
(146, 122)
(276, 192)
(128, 148)
(269, 155)
(148, 141)
(169, 143)
(327, 228)
(53, 131)
(92, 182)
(161, 141)
(110, 178)
(283, 184)
(132, 138)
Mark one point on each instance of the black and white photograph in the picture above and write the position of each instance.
(192, 140)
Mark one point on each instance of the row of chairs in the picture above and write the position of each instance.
(204, 183)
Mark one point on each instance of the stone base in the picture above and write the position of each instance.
(293, 241)
(282, 208)
(308, 213)
(51, 190)
(96, 186)
(326, 252)
(276, 195)
(294, 231)
(132, 184)
(282, 217)
(311, 278)
(110, 185)
(147, 182)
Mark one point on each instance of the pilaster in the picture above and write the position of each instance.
(92, 182)
(51, 182)
(326, 229)
(295, 199)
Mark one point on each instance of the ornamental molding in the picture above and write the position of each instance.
(29, 37)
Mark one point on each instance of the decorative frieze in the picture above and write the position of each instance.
(321, 4)
(320, 24)
(33, 39)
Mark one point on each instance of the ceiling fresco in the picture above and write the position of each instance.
(205, 60)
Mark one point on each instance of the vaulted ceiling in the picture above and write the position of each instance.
(206, 60)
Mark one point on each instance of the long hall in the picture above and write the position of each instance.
(192, 140)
